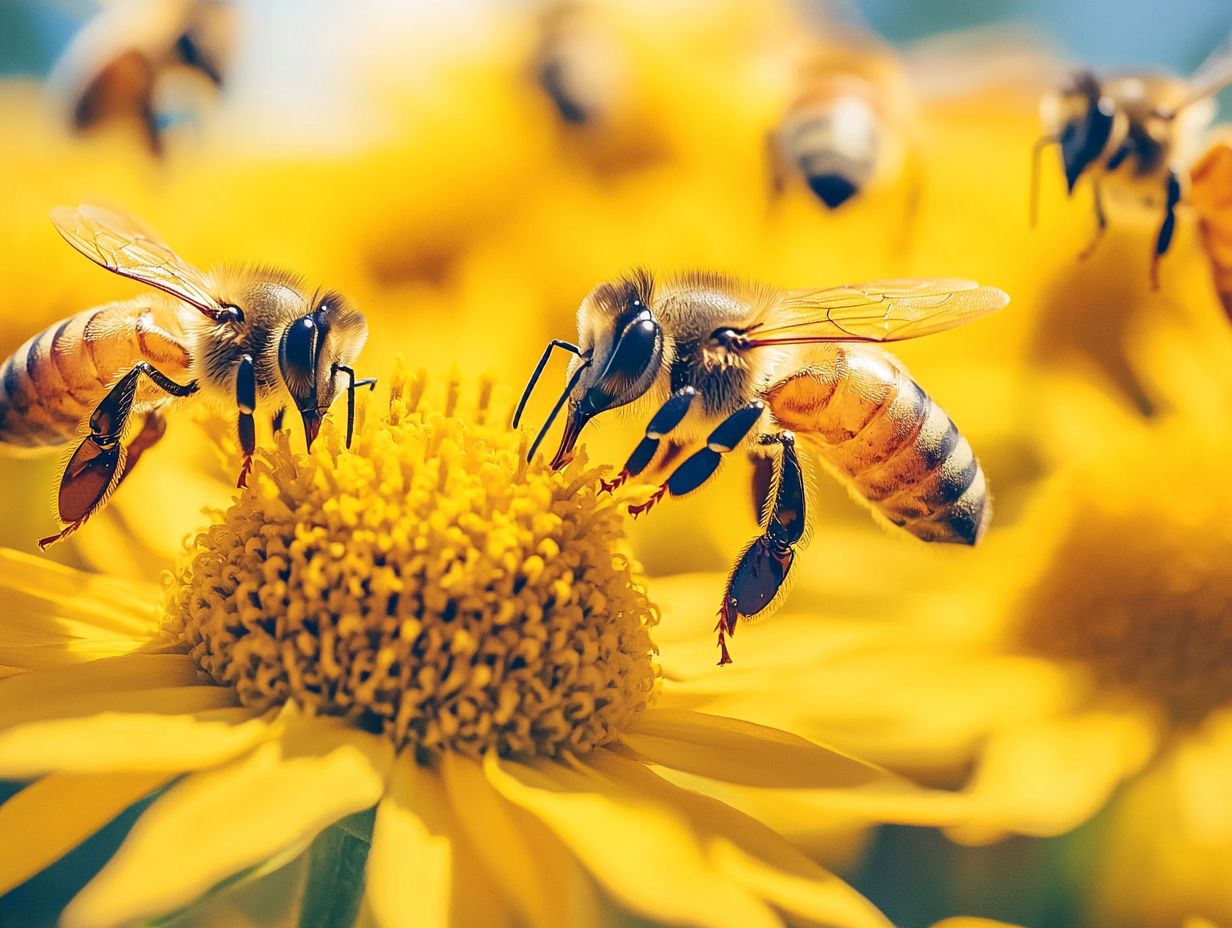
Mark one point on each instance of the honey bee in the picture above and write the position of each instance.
(578, 64)
(735, 364)
(1135, 131)
(849, 124)
(127, 63)
(247, 338)
(1210, 193)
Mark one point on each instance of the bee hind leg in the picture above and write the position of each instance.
(700, 466)
(102, 461)
(1164, 239)
(669, 416)
(761, 570)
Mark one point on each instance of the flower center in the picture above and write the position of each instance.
(429, 584)
(1140, 588)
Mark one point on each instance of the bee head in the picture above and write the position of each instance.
(1080, 116)
(311, 351)
(620, 356)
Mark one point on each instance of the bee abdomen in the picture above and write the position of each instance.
(52, 383)
(897, 447)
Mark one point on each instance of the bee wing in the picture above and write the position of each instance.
(1212, 76)
(883, 311)
(121, 245)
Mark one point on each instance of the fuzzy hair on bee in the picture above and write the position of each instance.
(732, 364)
(248, 338)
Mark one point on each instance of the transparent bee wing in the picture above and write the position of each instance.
(883, 311)
(1212, 76)
(121, 245)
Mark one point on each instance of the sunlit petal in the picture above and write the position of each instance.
(52, 816)
(420, 870)
(219, 822)
(742, 752)
(644, 853)
(128, 742)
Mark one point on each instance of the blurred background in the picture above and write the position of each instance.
(420, 157)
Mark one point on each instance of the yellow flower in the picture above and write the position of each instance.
(427, 627)
(1083, 651)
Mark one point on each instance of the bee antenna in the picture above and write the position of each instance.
(577, 375)
(534, 378)
(1040, 145)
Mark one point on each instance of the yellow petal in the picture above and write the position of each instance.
(128, 742)
(219, 822)
(741, 752)
(52, 816)
(420, 872)
(156, 683)
(968, 921)
(90, 601)
(645, 854)
(1083, 758)
(542, 882)
(747, 853)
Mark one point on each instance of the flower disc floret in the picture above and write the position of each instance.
(429, 584)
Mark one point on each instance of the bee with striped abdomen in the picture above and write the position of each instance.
(248, 338)
(736, 365)
(849, 124)
(144, 63)
(1132, 134)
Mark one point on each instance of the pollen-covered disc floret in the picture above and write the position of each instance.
(428, 584)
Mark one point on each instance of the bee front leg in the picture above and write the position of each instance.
(669, 416)
(246, 426)
(698, 467)
(352, 386)
(1167, 227)
(762, 568)
(1101, 220)
(101, 461)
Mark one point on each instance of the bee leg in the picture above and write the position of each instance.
(761, 484)
(98, 465)
(246, 425)
(698, 467)
(369, 382)
(761, 569)
(1168, 226)
(1101, 220)
(667, 418)
(276, 419)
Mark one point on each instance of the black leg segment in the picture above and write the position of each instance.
(762, 567)
(700, 466)
(670, 415)
(246, 403)
(98, 465)
(1168, 227)
(352, 386)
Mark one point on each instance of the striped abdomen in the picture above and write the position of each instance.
(51, 384)
(1210, 192)
(877, 428)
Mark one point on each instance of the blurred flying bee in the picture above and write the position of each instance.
(247, 338)
(578, 64)
(1135, 131)
(1210, 193)
(736, 364)
(139, 61)
(849, 124)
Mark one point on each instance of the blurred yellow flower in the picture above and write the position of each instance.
(428, 626)
(1084, 645)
